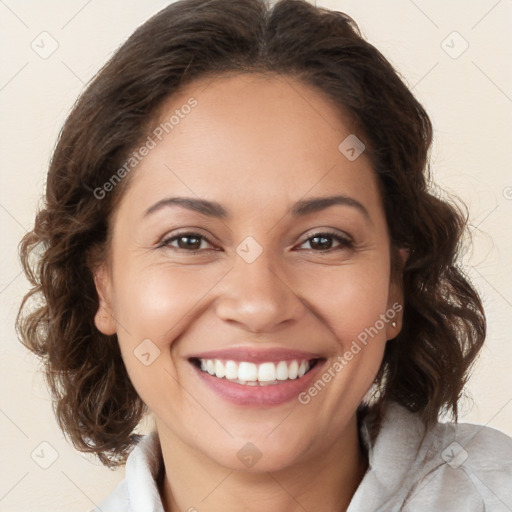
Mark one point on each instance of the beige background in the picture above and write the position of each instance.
(468, 97)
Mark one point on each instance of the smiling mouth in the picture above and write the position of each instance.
(255, 374)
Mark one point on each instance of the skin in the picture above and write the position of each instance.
(256, 145)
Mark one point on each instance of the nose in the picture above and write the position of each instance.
(256, 297)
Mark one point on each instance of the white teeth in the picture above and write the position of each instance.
(247, 372)
(231, 369)
(267, 372)
(252, 374)
(219, 369)
(293, 370)
(282, 371)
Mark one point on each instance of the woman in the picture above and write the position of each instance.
(239, 238)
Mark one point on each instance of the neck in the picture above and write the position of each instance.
(193, 481)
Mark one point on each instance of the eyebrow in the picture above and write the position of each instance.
(299, 209)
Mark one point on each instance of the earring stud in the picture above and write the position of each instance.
(393, 324)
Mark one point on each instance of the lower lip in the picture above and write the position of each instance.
(259, 396)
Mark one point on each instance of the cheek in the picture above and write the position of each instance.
(351, 303)
(152, 306)
(156, 302)
(348, 298)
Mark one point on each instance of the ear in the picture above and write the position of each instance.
(396, 298)
(104, 318)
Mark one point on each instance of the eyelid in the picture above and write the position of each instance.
(167, 238)
(328, 231)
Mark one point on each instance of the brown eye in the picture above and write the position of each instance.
(321, 242)
(190, 242)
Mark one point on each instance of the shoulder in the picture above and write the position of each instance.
(449, 467)
(118, 500)
(460, 466)
(138, 492)
(469, 467)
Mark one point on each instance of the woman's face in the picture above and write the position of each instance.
(241, 279)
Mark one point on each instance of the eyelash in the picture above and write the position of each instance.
(344, 242)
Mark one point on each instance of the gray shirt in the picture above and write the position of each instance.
(450, 468)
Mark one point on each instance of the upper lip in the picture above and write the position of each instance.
(255, 355)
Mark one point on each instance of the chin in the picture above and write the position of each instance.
(250, 458)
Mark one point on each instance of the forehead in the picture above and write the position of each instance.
(253, 138)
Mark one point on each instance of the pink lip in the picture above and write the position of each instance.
(254, 355)
(259, 396)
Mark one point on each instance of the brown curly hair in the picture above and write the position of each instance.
(424, 368)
